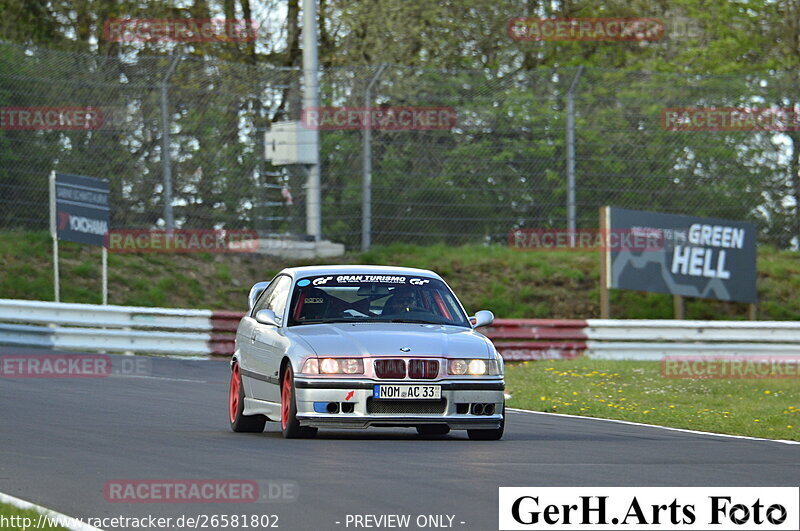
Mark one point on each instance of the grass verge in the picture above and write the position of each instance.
(510, 283)
(636, 391)
(23, 519)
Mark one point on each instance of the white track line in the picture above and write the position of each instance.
(67, 522)
(682, 430)
(145, 377)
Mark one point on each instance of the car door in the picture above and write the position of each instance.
(252, 361)
(269, 343)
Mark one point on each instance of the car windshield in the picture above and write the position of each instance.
(374, 298)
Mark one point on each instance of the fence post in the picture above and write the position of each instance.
(166, 163)
(571, 223)
(366, 176)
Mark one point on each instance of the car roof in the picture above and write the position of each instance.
(310, 271)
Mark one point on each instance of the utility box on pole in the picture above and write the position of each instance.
(289, 143)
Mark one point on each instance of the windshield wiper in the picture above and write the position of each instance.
(320, 321)
(416, 321)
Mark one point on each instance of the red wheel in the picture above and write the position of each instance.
(239, 421)
(233, 397)
(286, 397)
(290, 426)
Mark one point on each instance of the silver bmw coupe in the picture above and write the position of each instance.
(361, 346)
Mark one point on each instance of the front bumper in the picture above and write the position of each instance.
(359, 393)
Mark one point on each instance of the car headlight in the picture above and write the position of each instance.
(473, 367)
(476, 367)
(333, 366)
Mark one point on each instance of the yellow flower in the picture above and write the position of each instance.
(542, 398)
(575, 393)
(767, 392)
(672, 407)
(790, 427)
(756, 420)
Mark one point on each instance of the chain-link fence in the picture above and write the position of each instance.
(106, 117)
(502, 165)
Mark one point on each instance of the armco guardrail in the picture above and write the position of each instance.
(647, 339)
(537, 339)
(91, 327)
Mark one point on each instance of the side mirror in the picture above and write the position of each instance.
(257, 289)
(267, 317)
(482, 318)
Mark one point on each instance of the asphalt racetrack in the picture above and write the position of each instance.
(62, 440)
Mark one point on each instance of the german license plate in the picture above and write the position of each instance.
(407, 392)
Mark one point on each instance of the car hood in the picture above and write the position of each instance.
(386, 339)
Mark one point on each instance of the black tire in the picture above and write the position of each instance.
(432, 430)
(290, 426)
(489, 435)
(239, 422)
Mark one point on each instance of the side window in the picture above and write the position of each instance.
(277, 299)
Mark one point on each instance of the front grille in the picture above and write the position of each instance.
(395, 369)
(410, 407)
(423, 369)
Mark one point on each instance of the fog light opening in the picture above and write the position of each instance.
(477, 409)
(333, 407)
(489, 409)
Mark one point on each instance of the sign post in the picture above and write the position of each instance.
(605, 270)
(79, 212)
(105, 274)
(54, 235)
(679, 306)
